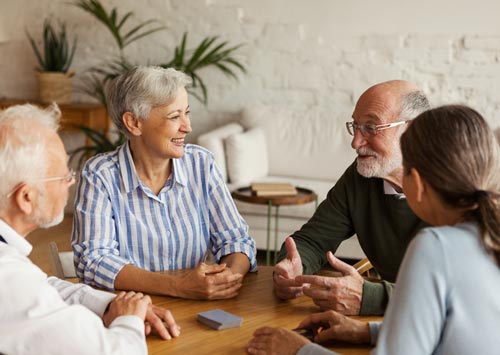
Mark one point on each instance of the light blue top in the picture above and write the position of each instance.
(447, 297)
(118, 220)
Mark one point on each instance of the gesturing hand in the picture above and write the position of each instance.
(342, 294)
(285, 272)
(336, 326)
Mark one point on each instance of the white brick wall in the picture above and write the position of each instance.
(318, 55)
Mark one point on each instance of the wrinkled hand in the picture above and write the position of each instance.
(127, 303)
(336, 326)
(208, 282)
(274, 341)
(285, 272)
(342, 294)
(162, 322)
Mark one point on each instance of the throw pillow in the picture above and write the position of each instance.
(214, 142)
(246, 156)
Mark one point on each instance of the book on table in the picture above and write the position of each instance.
(273, 189)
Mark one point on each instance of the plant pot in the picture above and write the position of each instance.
(55, 87)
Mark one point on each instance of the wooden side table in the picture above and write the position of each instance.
(303, 196)
(87, 114)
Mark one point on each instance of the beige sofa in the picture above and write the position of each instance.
(271, 144)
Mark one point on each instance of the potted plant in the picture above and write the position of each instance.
(54, 59)
(210, 52)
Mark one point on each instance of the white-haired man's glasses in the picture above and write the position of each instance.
(67, 179)
(369, 130)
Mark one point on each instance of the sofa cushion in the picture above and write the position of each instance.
(303, 143)
(246, 156)
(214, 142)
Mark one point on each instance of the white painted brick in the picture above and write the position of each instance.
(439, 56)
(429, 41)
(407, 55)
(252, 31)
(347, 43)
(476, 56)
(281, 37)
(382, 41)
(290, 60)
(290, 98)
(482, 42)
(468, 70)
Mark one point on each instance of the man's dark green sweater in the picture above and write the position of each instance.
(383, 223)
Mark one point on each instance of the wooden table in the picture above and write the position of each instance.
(258, 306)
(303, 196)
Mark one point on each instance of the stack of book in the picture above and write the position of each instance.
(273, 189)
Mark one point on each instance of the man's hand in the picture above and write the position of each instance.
(208, 282)
(127, 303)
(275, 341)
(162, 322)
(285, 272)
(342, 294)
(335, 326)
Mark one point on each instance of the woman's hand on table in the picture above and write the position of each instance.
(208, 282)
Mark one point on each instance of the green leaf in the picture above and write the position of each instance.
(57, 53)
(115, 25)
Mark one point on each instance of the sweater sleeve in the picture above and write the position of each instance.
(328, 227)
(376, 295)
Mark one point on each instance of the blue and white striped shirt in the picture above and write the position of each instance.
(118, 220)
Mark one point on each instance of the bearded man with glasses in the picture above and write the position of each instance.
(367, 201)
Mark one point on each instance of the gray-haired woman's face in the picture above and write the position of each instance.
(164, 131)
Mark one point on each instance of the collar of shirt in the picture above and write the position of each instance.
(390, 190)
(129, 174)
(14, 240)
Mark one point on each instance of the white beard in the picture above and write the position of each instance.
(44, 221)
(378, 167)
(47, 224)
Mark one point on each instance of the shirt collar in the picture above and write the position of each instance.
(127, 168)
(14, 240)
(179, 171)
(390, 190)
(129, 173)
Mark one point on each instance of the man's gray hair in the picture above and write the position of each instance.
(141, 89)
(413, 104)
(23, 153)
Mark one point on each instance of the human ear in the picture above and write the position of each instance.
(419, 183)
(132, 123)
(24, 198)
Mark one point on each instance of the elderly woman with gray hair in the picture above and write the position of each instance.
(156, 204)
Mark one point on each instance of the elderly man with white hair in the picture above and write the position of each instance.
(49, 315)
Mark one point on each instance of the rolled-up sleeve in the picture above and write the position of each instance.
(95, 245)
(228, 230)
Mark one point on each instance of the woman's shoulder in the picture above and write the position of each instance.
(194, 151)
(102, 161)
(461, 231)
(451, 240)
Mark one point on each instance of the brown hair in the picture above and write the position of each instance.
(455, 151)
